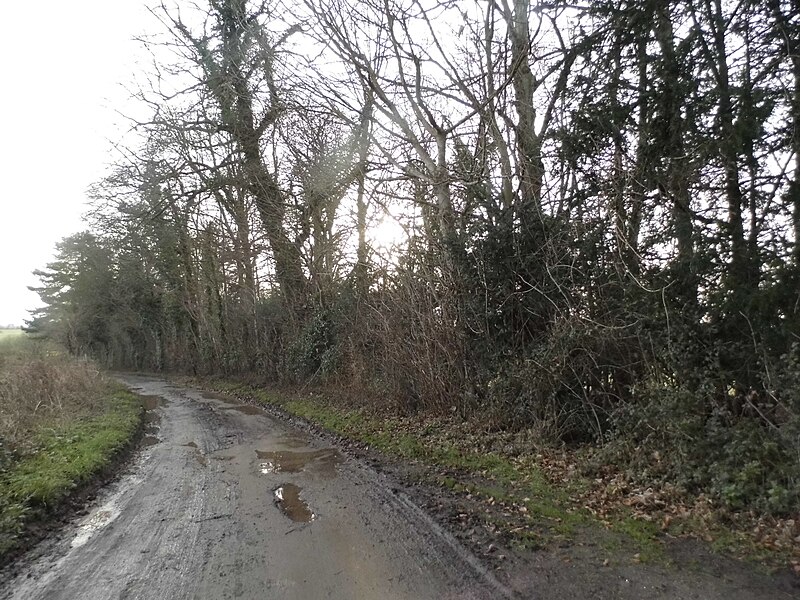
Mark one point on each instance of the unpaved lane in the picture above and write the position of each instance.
(227, 502)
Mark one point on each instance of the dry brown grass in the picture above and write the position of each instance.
(41, 387)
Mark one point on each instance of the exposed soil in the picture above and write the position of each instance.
(235, 500)
(592, 563)
(239, 504)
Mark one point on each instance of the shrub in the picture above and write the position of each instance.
(687, 436)
(314, 352)
(566, 384)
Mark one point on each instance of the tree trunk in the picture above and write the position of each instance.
(676, 180)
(362, 257)
(237, 115)
(529, 146)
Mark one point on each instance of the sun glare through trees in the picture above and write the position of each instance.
(575, 217)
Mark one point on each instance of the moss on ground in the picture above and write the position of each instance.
(518, 486)
(641, 537)
(533, 510)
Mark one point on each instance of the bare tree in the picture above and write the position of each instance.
(235, 58)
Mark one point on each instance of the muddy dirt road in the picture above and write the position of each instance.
(227, 502)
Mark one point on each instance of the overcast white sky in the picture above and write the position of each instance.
(62, 65)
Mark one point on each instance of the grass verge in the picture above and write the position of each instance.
(528, 506)
(538, 498)
(62, 460)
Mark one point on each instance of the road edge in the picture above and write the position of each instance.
(44, 520)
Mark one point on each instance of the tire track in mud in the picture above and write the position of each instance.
(226, 501)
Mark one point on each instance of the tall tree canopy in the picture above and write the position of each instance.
(598, 207)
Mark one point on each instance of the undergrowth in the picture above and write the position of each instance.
(61, 424)
(544, 496)
(59, 461)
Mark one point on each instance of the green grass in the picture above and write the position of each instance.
(62, 460)
(12, 340)
(17, 347)
(486, 475)
(642, 537)
(518, 484)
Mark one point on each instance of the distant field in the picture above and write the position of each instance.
(10, 333)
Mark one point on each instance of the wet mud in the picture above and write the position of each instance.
(294, 440)
(215, 396)
(152, 402)
(152, 419)
(247, 409)
(200, 458)
(93, 524)
(229, 502)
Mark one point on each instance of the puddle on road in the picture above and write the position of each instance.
(94, 523)
(198, 455)
(152, 402)
(287, 498)
(233, 403)
(294, 440)
(283, 461)
(151, 419)
(247, 409)
(215, 396)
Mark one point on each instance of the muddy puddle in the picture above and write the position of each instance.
(152, 402)
(196, 453)
(294, 440)
(287, 498)
(151, 419)
(97, 521)
(232, 403)
(322, 462)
